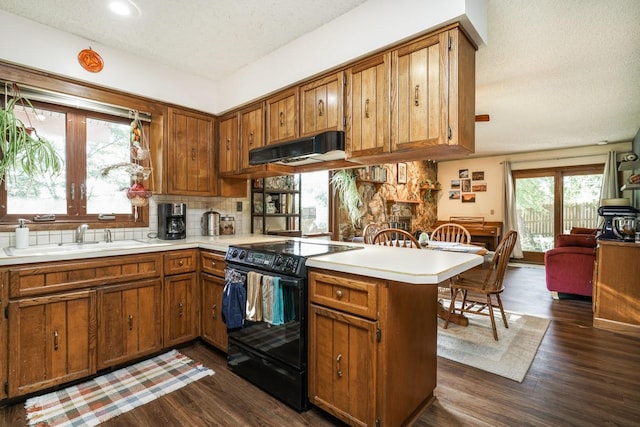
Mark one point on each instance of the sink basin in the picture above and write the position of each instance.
(68, 248)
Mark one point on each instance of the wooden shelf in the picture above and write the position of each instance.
(370, 181)
(630, 187)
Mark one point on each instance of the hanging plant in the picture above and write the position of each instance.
(22, 148)
(344, 184)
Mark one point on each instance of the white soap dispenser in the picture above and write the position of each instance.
(22, 235)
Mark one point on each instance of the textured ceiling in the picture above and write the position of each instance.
(553, 74)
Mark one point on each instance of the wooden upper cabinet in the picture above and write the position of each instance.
(251, 132)
(282, 116)
(433, 92)
(322, 104)
(190, 156)
(228, 145)
(368, 107)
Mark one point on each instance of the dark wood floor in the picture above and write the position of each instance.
(580, 377)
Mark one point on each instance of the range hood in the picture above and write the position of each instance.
(323, 147)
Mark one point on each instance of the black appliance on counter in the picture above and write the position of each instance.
(274, 357)
(172, 221)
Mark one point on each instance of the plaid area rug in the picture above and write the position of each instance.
(112, 394)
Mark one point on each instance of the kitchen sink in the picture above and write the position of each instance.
(68, 248)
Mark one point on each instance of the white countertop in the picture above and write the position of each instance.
(398, 264)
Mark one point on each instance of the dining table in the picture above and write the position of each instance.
(443, 313)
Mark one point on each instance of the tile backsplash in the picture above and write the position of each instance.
(196, 206)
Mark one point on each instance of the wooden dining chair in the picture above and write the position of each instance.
(477, 287)
(395, 237)
(451, 232)
(371, 229)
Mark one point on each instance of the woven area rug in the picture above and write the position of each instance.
(112, 394)
(474, 345)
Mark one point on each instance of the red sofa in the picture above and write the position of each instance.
(569, 266)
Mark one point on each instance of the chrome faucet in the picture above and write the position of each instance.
(107, 236)
(80, 232)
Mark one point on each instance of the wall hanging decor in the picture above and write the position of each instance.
(90, 60)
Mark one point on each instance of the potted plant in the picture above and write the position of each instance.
(22, 148)
(428, 186)
(344, 184)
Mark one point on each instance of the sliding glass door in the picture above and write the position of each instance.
(551, 201)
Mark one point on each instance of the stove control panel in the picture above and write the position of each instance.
(267, 261)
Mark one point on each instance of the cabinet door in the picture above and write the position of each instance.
(51, 341)
(322, 105)
(190, 156)
(342, 364)
(368, 108)
(214, 330)
(251, 132)
(228, 147)
(420, 85)
(433, 88)
(180, 309)
(129, 321)
(282, 116)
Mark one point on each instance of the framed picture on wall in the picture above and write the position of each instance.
(477, 176)
(402, 173)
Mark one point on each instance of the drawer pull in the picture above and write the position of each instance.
(366, 108)
(338, 370)
(321, 108)
(416, 96)
(55, 340)
(213, 264)
(213, 311)
(339, 294)
(181, 263)
(131, 322)
(180, 309)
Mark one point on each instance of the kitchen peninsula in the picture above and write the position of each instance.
(383, 373)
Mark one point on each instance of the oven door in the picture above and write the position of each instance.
(285, 343)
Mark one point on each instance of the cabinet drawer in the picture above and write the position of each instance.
(345, 292)
(50, 277)
(176, 262)
(213, 263)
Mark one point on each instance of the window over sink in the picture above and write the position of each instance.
(88, 142)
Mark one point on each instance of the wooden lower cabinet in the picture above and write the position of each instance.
(212, 328)
(129, 321)
(342, 374)
(616, 289)
(372, 348)
(180, 309)
(52, 340)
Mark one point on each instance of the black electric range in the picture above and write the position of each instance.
(285, 257)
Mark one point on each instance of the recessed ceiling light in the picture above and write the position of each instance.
(124, 8)
(603, 142)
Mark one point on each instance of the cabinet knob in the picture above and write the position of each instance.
(213, 263)
(181, 263)
(339, 294)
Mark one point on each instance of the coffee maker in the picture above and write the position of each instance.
(172, 221)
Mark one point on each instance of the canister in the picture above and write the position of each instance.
(227, 225)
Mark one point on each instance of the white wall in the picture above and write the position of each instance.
(373, 25)
(489, 204)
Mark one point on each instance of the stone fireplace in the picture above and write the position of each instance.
(407, 205)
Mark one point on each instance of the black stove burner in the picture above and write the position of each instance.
(287, 256)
